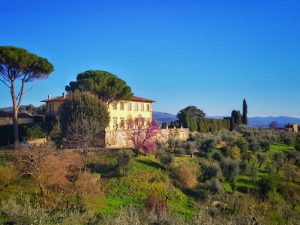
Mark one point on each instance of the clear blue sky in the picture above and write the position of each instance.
(210, 53)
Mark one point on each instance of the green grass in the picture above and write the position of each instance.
(23, 187)
(145, 177)
(3, 157)
(246, 182)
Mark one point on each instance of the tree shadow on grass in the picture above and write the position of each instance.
(150, 163)
(106, 170)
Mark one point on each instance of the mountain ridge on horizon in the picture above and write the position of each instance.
(254, 121)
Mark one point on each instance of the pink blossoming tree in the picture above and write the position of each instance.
(143, 133)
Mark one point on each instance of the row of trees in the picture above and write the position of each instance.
(193, 118)
(237, 118)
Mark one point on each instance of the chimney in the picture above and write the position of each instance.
(63, 94)
(48, 96)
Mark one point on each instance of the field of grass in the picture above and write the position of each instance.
(246, 182)
(145, 177)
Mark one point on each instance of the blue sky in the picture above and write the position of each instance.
(211, 54)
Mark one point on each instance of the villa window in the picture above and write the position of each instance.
(122, 105)
(142, 107)
(129, 106)
(136, 106)
(148, 107)
(115, 106)
(115, 122)
(122, 122)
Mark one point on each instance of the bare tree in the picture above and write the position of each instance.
(83, 135)
(29, 161)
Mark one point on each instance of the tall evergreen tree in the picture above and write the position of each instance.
(245, 113)
(236, 119)
(18, 67)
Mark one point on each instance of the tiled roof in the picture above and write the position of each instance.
(134, 98)
(139, 99)
(60, 98)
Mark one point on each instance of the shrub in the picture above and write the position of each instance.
(267, 184)
(253, 144)
(230, 168)
(208, 145)
(160, 149)
(35, 131)
(24, 212)
(261, 158)
(288, 139)
(189, 148)
(216, 155)
(265, 144)
(173, 144)
(244, 167)
(187, 174)
(154, 203)
(253, 170)
(134, 216)
(278, 160)
(88, 187)
(234, 153)
(214, 186)
(57, 171)
(8, 173)
(166, 159)
(243, 144)
(209, 170)
(291, 172)
(126, 216)
(297, 143)
(294, 157)
(123, 162)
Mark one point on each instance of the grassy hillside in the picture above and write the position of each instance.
(147, 175)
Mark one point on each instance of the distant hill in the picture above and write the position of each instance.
(265, 121)
(257, 121)
(161, 117)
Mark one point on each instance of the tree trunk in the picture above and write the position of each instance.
(15, 124)
(136, 152)
(15, 114)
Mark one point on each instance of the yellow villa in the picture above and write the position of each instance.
(120, 111)
(116, 134)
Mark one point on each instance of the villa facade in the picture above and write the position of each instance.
(116, 134)
(120, 111)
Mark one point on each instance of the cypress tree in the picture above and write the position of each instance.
(245, 112)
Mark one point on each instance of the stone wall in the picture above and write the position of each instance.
(174, 133)
(120, 138)
(8, 121)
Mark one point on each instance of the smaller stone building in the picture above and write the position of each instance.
(292, 127)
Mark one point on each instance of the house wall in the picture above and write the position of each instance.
(120, 138)
(116, 111)
(122, 111)
(53, 107)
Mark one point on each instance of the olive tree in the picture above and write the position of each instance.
(17, 64)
